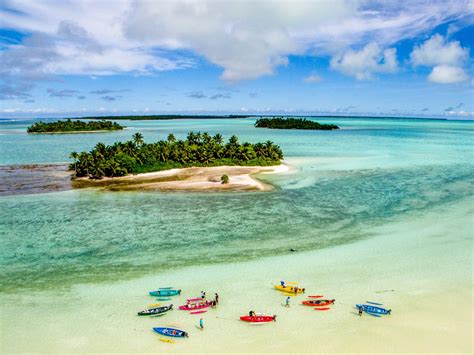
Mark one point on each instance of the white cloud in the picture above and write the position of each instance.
(438, 51)
(446, 58)
(247, 39)
(365, 63)
(447, 74)
(312, 78)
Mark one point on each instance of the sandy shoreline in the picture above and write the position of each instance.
(241, 178)
(420, 267)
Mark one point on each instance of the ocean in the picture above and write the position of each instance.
(342, 185)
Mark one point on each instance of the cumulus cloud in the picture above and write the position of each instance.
(447, 74)
(247, 39)
(438, 51)
(312, 78)
(446, 58)
(365, 63)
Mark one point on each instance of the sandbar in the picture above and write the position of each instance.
(241, 178)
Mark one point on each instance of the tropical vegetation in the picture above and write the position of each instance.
(73, 126)
(225, 179)
(198, 149)
(161, 117)
(292, 123)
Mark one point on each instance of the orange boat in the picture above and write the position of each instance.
(318, 303)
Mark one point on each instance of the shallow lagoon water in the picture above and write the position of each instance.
(344, 183)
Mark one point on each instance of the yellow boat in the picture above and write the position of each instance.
(166, 340)
(289, 289)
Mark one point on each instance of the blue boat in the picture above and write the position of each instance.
(171, 332)
(160, 293)
(373, 310)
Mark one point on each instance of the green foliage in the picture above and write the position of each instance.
(199, 149)
(162, 117)
(224, 179)
(292, 123)
(73, 126)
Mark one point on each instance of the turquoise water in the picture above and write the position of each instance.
(364, 175)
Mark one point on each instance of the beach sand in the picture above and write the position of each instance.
(241, 178)
(420, 266)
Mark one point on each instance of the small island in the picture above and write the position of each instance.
(69, 126)
(197, 150)
(292, 123)
(163, 117)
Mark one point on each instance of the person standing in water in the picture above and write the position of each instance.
(360, 311)
(217, 298)
(201, 324)
(287, 302)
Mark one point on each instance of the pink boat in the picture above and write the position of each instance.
(191, 306)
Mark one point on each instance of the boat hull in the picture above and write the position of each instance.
(374, 310)
(318, 303)
(289, 289)
(193, 307)
(161, 293)
(155, 310)
(171, 332)
(258, 319)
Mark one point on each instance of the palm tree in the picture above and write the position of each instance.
(74, 156)
(218, 139)
(171, 138)
(191, 138)
(138, 138)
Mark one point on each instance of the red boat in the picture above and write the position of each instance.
(193, 305)
(258, 319)
(318, 303)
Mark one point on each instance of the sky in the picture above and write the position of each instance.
(70, 58)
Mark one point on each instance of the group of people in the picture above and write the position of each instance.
(295, 289)
(213, 302)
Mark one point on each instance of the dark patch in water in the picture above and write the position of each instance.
(34, 179)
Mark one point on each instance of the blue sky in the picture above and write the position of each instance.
(80, 58)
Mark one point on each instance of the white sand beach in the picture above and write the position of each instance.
(241, 178)
(421, 268)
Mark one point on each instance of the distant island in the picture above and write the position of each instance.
(162, 117)
(198, 150)
(69, 126)
(292, 123)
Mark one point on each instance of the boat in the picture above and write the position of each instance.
(198, 312)
(289, 289)
(318, 303)
(155, 310)
(373, 309)
(258, 319)
(160, 293)
(194, 305)
(171, 332)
